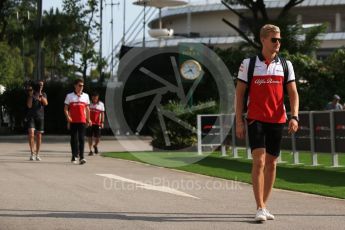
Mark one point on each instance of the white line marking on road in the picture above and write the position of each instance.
(148, 186)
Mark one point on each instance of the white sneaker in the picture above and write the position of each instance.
(32, 158)
(82, 161)
(38, 158)
(260, 215)
(269, 216)
(73, 161)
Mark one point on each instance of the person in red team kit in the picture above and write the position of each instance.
(97, 119)
(77, 113)
(266, 113)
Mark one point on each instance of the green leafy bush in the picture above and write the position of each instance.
(180, 137)
(14, 102)
(11, 66)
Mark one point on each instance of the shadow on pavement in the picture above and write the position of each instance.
(139, 216)
(148, 216)
(27, 161)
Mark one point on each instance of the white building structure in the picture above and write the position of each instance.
(202, 22)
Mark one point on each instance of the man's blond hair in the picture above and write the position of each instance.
(267, 29)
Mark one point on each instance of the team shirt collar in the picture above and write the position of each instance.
(77, 94)
(262, 58)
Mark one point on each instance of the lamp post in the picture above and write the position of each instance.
(112, 38)
(23, 40)
(144, 23)
(100, 64)
(124, 23)
(38, 75)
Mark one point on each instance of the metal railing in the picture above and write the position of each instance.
(319, 132)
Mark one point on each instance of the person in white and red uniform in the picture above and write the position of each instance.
(77, 113)
(97, 120)
(266, 114)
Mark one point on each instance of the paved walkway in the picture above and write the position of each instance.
(116, 194)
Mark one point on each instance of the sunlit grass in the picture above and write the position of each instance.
(323, 179)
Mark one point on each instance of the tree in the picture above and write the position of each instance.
(11, 66)
(14, 14)
(317, 80)
(85, 36)
(17, 28)
(310, 78)
(88, 50)
(54, 29)
(6, 10)
(336, 62)
(232, 57)
(290, 29)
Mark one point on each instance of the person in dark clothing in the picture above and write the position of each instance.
(36, 102)
(334, 104)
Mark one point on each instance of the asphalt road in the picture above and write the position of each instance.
(116, 194)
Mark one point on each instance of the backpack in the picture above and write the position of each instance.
(251, 72)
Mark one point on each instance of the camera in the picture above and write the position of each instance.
(32, 86)
(36, 87)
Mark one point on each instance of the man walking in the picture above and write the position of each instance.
(78, 115)
(266, 113)
(97, 119)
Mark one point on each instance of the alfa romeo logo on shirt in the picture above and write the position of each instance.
(267, 81)
(149, 81)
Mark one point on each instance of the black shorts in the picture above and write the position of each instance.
(265, 135)
(93, 131)
(36, 123)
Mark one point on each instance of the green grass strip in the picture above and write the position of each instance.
(322, 180)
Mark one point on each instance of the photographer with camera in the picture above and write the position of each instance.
(36, 102)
